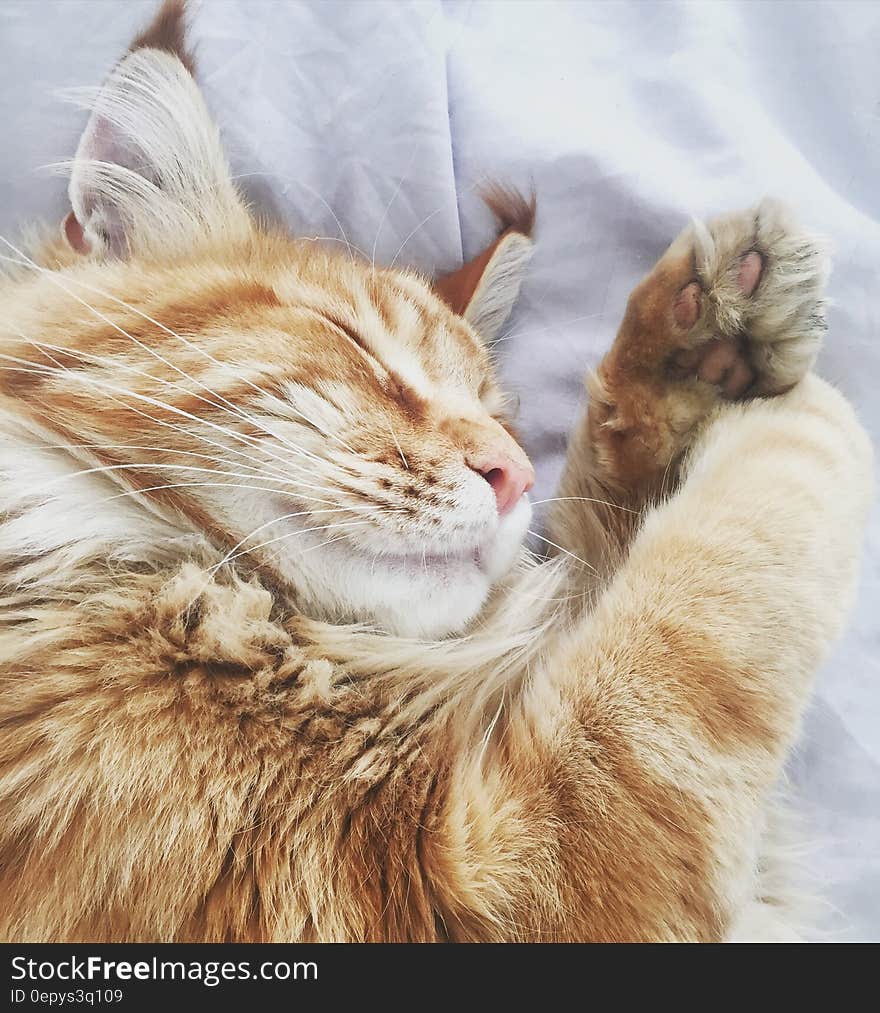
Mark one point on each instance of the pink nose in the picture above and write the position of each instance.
(509, 479)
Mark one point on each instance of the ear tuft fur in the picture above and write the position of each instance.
(484, 289)
(167, 32)
(514, 211)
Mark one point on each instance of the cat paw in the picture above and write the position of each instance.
(734, 309)
(750, 318)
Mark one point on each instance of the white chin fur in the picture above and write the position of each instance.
(411, 597)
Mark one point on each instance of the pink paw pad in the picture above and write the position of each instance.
(722, 361)
(724, 364)
(751, 267)
(686, 308)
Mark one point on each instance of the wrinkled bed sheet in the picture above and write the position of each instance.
(382, 119)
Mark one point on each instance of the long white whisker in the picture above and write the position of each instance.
(52, 276)
(584, 499)
(311, 190)
(189, 344)
(302, 531)
(294, 494)
(249, 535)
(540, 330)
(297, 484)
(387, 210)
(260, 466)
(565, 551)
(154, 402)
(397, 444)
(311, 548)
(320, 545)
(161, 466)
(332, 239)
(42, 346)
(421, 225)
(158, 467)
(257, 472)
(425, 221)
(230, 485)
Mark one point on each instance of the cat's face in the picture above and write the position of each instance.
(333, 424)
(379, 417)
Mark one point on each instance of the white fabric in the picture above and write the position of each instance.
(629, 117)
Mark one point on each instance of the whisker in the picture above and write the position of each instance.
(128, 368)
(397, 444)
(584, 499)
(233, 553)
(260, 469)
(42, 346)
(120, 364)
(229, 485)
(421, 225)
(141, 397)
(332, 239)
(320, 545)
(257, 472)
(160, 467)
(541, 330)
(311, 190)
(260, 466)
(294, 491)
(276, 520)
(583, 562)
(189, 344)
(388, 206)
(302, 531)
(52, 276)
(297, 485)
(425, 220)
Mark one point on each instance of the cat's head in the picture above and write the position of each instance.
(336, 425)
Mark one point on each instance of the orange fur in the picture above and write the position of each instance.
(205, 737)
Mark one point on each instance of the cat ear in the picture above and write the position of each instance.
(484, 289)
(149, 175)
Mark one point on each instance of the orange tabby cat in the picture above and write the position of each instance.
(275, 666)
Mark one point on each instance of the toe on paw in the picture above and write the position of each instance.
(751, 267)
(687, 305)
(725, 365)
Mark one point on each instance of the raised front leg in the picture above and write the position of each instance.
(733, 311)
(621, 794)
(623, 791)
